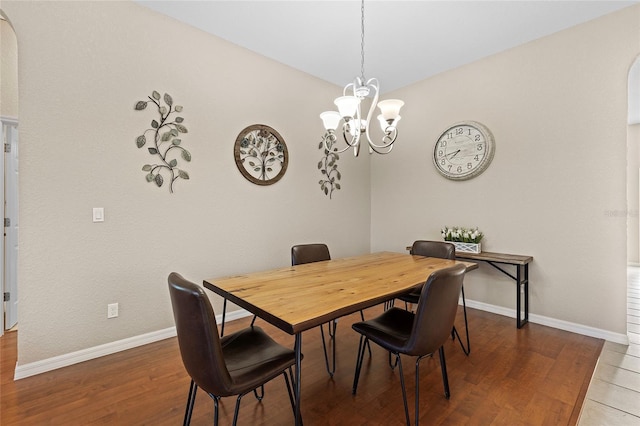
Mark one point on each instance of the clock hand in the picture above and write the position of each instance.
(453, 154)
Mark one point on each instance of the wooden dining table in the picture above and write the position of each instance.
(297, 298)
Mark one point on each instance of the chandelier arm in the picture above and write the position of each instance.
(389, 145)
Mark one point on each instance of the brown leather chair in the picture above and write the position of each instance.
(402, 332)
(442, 250)
(317, 252)
(233, 365)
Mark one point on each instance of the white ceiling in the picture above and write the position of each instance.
(405, 41)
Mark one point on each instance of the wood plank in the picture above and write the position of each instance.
(487, 256)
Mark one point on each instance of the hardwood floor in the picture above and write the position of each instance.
(534, 376)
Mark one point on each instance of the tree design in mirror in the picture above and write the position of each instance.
(261, 154)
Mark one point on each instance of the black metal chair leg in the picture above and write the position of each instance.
(330, 369)
(359, 360)
(255, 392)
(216, 408)
(404, 390)
(443, 367)
(237, 410)
(253, 320)
(191, 399)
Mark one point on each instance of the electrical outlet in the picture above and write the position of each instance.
(112, 310)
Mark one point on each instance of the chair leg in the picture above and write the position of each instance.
(393, 366)
(404, 390)
(237, 410)
(368, 344)
(255, 392)
(418, 388)
(191, 399)
(253, 320)
(330, 369)
(445, 378)
(359, 359)
(216, 409)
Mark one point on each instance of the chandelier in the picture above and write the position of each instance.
(349, 116)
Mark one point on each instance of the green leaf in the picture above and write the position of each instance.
(174, 133)
(140, 105)
(257, 169)
(179, 119)
(252, 164)
(339, 176)
(173, 163)
(178, 108)
(186, 155)
(269, 169)
(140, 141)
(337, 186)
(152, 151)
(181, 128)
(167, 99)
(159, 180)
(183, 174)
(165, 136)
(146, 168)
(156, 95)
(326, 190)
(149, 177)
(176, 141)
(154, 124)
(319, 165)
(163, 110)
(320, 146)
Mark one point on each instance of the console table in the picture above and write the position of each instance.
(521, 278)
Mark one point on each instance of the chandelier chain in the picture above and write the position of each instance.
(362, 42)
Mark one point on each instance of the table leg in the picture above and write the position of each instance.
(518, 296)
(298, 349)
(522, 287)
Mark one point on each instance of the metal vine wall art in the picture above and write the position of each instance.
(166, 141)
(328, 166)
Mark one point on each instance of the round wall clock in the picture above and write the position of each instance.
(261, 154)
(463, 151)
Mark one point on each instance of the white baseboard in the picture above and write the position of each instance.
(554, 323)
(31, 369)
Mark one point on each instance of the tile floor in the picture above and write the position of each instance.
(613, 397)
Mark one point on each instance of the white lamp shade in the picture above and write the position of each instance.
(347, 105)
(330, 119)
(390, 108)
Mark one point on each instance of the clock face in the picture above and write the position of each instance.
(463, 151)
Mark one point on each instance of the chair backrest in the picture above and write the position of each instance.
(440, 249)
(307, 253)
(198, 336)
(436, 311)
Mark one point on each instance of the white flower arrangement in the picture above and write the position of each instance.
(462, 235)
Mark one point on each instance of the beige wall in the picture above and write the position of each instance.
(8, 71)
(558, 109)
(78, 85)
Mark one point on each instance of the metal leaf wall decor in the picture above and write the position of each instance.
(165, 141)
(328, 166)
